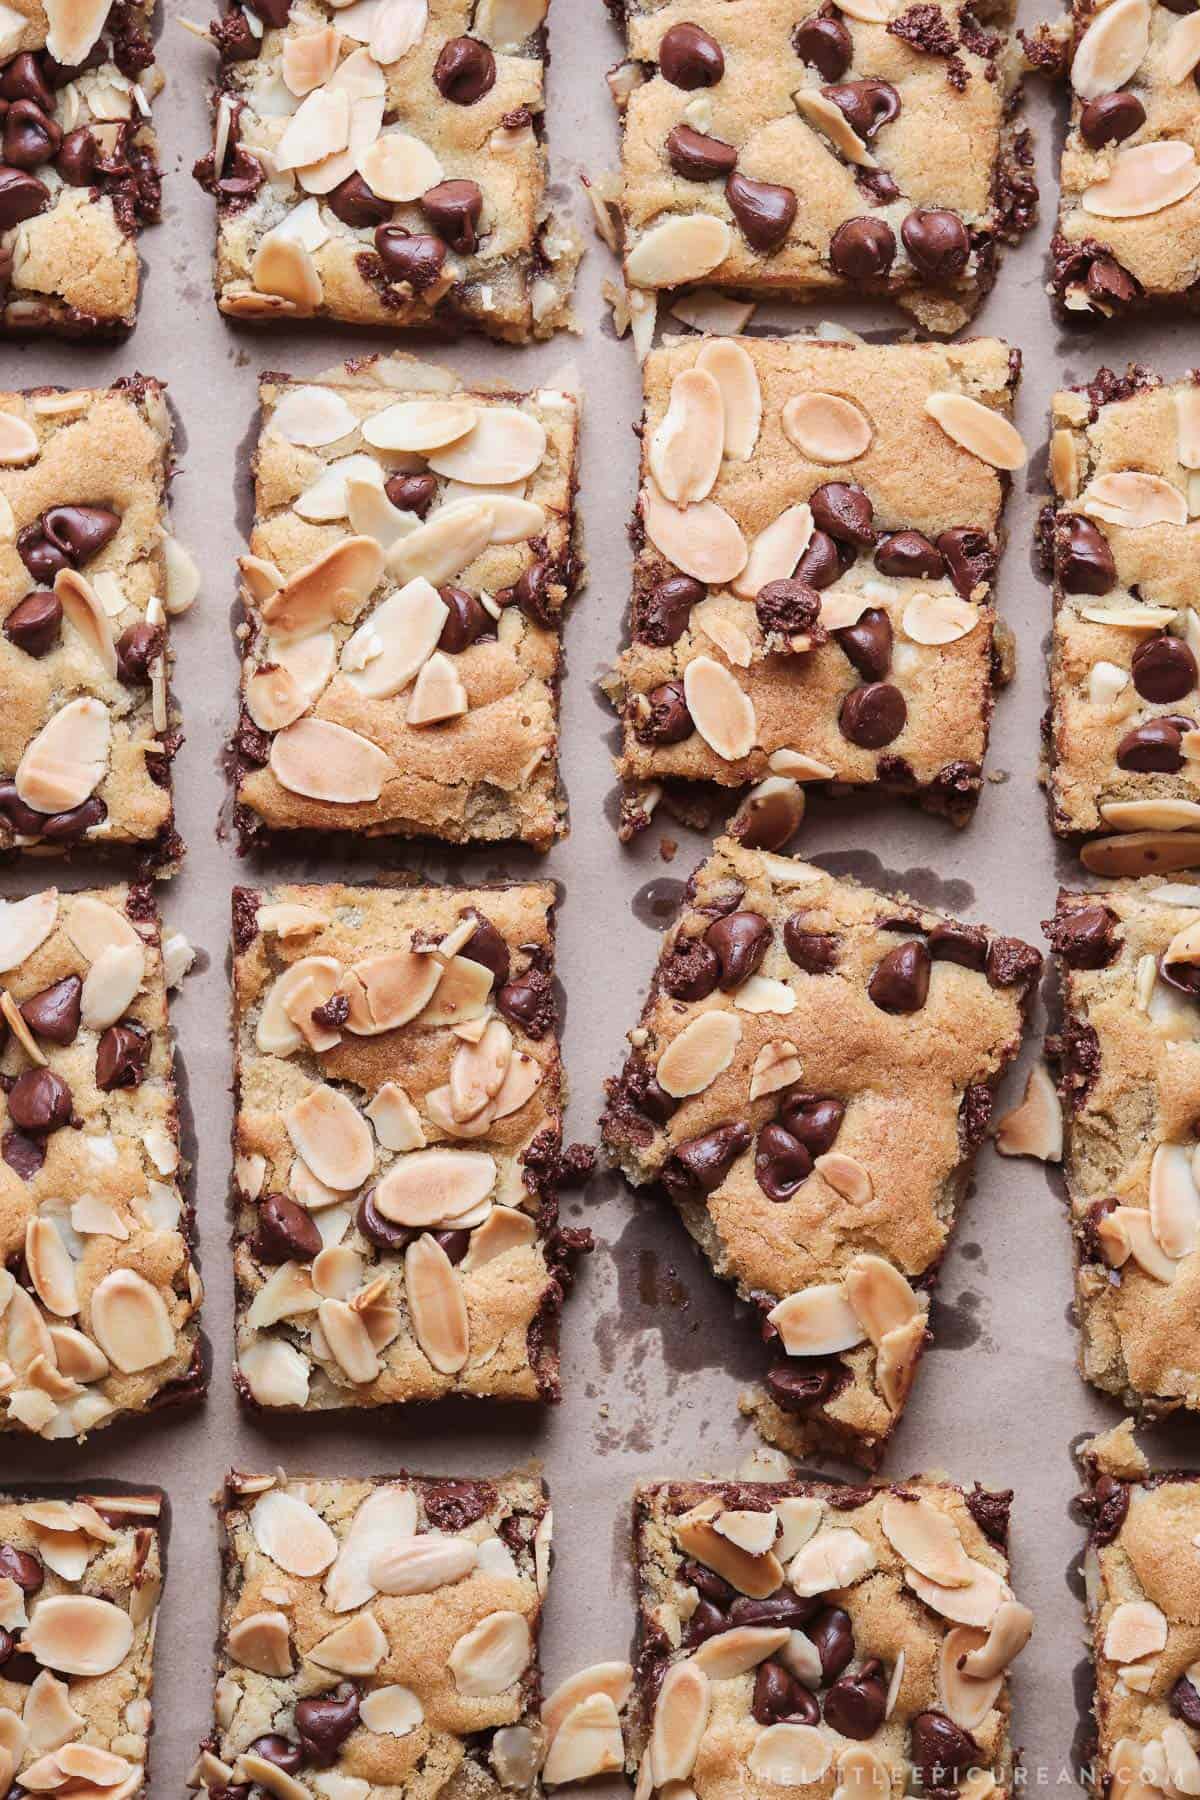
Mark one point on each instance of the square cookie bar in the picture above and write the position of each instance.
(379, 1637)
(1129, 1066)
(806, 155)
(1128, 232)
(398, 1140)
(99, 1299)
(387, 166)
(1121, 540)
(817, 602)
(88, 574)
(804, 1633)
(79, 172)
(812, 1074)
(412, 554)
(80, 1581)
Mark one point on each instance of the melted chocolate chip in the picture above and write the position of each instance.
(865, 105)
(868, 643)
(814, 1120)
(53, 1012)
(39, 1102)
(690, 58)
(453, 209)
(663, 613)
(1107, 1504)
(800, 1385)
(384, 1233)
(1154, 748)
(813, 951)
(80, 532)
(22, 79)
(873, 716)
(467, 621)
(1084, 936)
(965, 945)
(285, 1232)
(697, 157)
(823, 561)
(856, 1704)
(669, 721)
(700, 1165)
(529, 1002)
(137, 647)
(825, 44)
(121, 1057)
(863, 249)
(279, 1750)
(415, 494)
(22, 196)
(941, 1750)
(833, 1634)
(937, 242)
(783, 1607)
(692, 971)
(1185, 1702)
(1110, 119)
(779, 1695)
(324, 1725)
(900, 981)
(416, 259)
(970, 558)
(465, 71)
(1110, 286)
(787, 610)
(486, 945)
(909, 553)
(764, 211)
(740, 940)
(358, 206)
(30, 137)
(844, 512)
(1085, 561)
(1163, 669)
(781, 1162)
(34, 623)
(23, 1567)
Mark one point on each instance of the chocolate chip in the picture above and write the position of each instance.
(24, 1155)
(937, 242)
(1084, 936)
(77, 158)
(80, 532)
(763, 209)
(376, 1229)
(900, 980)
(453, 209)
(1185, 977)
(940, 1749)
(663, 613)
(34, 623)
(1163, 669)
(529, 1002)
(779, 1695)
(416, 259)
(699, 158)
(868, 643)
(466, 620)
(22, 79)
(700, 1165)
(1112, 287)
(285, 1232)
(22, 1566)
(415, 494)
(455, 1244)
(357, 205)
(53, 1012)
(862, 249)
(453, 1505)
(855, 1705)
(740, 940)
(1110, 119)
(788, 609)
(909, 553)
(865, 105)
(833, 1634)
(22, 196)
(783, 1607)
(799, 1386)
(22, 818)
(970, 558)
(844, 512)
(39, 1101)
(645, 1096)
(65, 827)
(31, 136)
(689, 58)
(464, 71)
(825, 44)
(278, 1750)
(781, 1162)
(814, 1120)
(692, 971)
(530, 592)
(1107, 1503)
(707, 1621)
(877, 184)
(1185, 1702)
(823, 561)
(813, 951)
(486, 946)
(707, 1583)
(965, 945)
(137, 647)
(668, 721)
(1085, 561)
(1155, 748)
(873, 716)
(121, 1057)
(324, 1725)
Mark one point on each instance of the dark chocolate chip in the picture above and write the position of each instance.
(1085, 561)
(412, 493)
(941, 1750)
(865, 105)
(34, 623)
(356, 205)
(833, 1634)
(763, 209)
(121, 1057)
(699, 158)
(781, 1162)
(900, 980)
(78, 155)
(825, 44)
(53, 1012)
(1155, 748)
(813, 951)
(788, 609)
(22, 1566)
(80, 532)
(937, 242)
(863, 249)
(799, 1386)
(529, 1002)
(965, 945)
(66, 827)
(1084, 936)
(970, 558)
(663, 613)
(868, 643)
(873, 716)
(467, 620)
(856, 1704)
(814, 1120)
(1107, 1505)
(646, 1096)
(740, 940)
(285, 1232)
(707, 1583)
(1185, 1702)
(384, 1233)
(464, 71)
(1163, 669)
(486, 946)
(22, 196)
(22, 818)
(453, 209)
(909, 553)
(24, 1155)
(415, 259)
(707, 1621)
(39, 1101)
(530, 592)
(38, 554)
(137, 647)
(692, 971)
(779, 1695)
(690, 58)
(1110, 119)
(279, 1750)
(454, 1243)
(823, 561)
(844, 511)
(1110, 286)
(700, 1165)
(22, 79)
(669, 720)
(452, 1505)
(783, 1607)
(31, 136)
(324, 1725)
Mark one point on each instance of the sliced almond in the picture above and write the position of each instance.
(348, 1341)
(1135, 500)
(968, 1700)
(1187, 425)
(48, 1715)
(922, 1534)
(323, 761)
(331, 590)
(1145, 816)
(938, 619)
(776, 1066)
(262, 1641)
(790, 1755)
(330, 1134)
(862, 1775)
(25, 925)
(73, 28)
(436, 1305)
(431, 1188)
(827, 427)
(1035, 1127)
(18, 441)
(50, 1269)
(275, 1373)
(754, 1575)
(68, 758)
(588, 1743)
(979, 429)
(273, 697)
(817, 1321)
(399, 167)
(1126, 1232)
(446, 545)
(130, 1322)
(85, 612)
(846, 1176)
(754, 1532)
(1144, 179)
(685, 450)
(492, 1656)
(1179, 1755)
(286, 1294)
(276, 1033)
(397, 26)
(386, 1516)
(1111, 49)
(318, 128)
(354, 1648)
(400, 635)
(1135, 1628)
(77, 1634)
(799, 1517)
(1181, 52)
(1106, 682)
(478, 1070)
(698, 1054)
(395, 1711)
(507, 25)
(313, 417)
(396, 1120)
(613, 1679)
(462, 994)
(78, 1358)
(422, 1564)
(309, 59)
(292, 1533)
(111, 985)
(834, 1558)
(1174, 1200)
(880, 1296)
(722, 712)
(284, 267)
(974, 1603)
(502, 1231)
(701, 540)
(23, 1333)
(93, 925)
(1064, 464)
(438, 693)
(828, 118)
(736, 1652)
(775, 551)
(1010, 1631)
(732, 368)
(680, 1717)
(419, 425)
(504, 445)
(682, 248)
(101, 1768)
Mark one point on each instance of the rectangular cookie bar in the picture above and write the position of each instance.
(387, 167)
(398, 1136)
(412, 554)
(806, 1632)
(99, 1299)
(88, 574)
(1121, 540)
(79, 175)
(785, 153)
(1129, 1068)
(80, 1581)
(811, 1077)
(817, 603)
(380, 1636)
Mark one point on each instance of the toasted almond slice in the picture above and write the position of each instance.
(701, 540)
(130, 1322)
(284, 267)
(399, 167)
(25, 925)
(790, 1755)
(349, 1342)
(68, 758)
(372, 513)
(85, 612)
(419, 425)
(862, 1774)
(330, 1134)
(262, 1641)
(1106, 683)
(478, 1070)
(422, 1564)
(77, 1634)
(324, 761)
(275, 1033)
(1174, 1200)
(1111, 49)
(817, 1321)
(514, 519)
(389, 989)
(732, 368)
(1010, 1631)
(1135, 500)
(1035, 1127)
(93, 925)
(50, 1269)
(111, 985)
(835, 1557)
(764, 994)
(1126, 1232)
(394, 1710)
(92, 1216)
(684, 454)
(979, 429)
(754, 1532)
(313, 417)
(259, 577)
(324, 499)
(1064, 464)
(78, 1358)
(776, 1066)
(896, 1361)
(680, 1717)
(1187, 425)
(318, 128)
(827, 427)
(846, 1176)
(504, 445)
(938, 619)
(101, 1768)
(974, 1602)
(1181, 52)
(755, 1575)
(1135, 1628)
(406, 628)
(309, 59)
(273, 697)
(48, 1715)
(826, 117)
(331, 590)
(397, 27)
(1142, 853)
(502, 1231)
(775, 551)
(438, 693)
(445, 545)
(507, 25)
(73, 29)
(613, 1679)
(736, 1652)
(396, 1120)
(356, 1647)
(717, 618)
(1151, 815)
(922, 1534)
(462, 994)
(431, 1188)
(286, 1294)
(23, 1333)
(292, 1533)
(275, 1373)
(492, 1656)
(386, 1516)
(588, 1743)
(1144, 179)
(1181, 1760)
(722, 712)
(695, 1057)
(799, 1517)
(967, 1700)
(880, 1296)
(436, 1305)
(18, 441)
(683, 248)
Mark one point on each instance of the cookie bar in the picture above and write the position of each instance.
(1128, 233)
(412, 555)
(807, 1633)
(817, 602)
(79, 170)
(80, 1581)
(99, 1299)
(811, 1077)
(398, 1139)
(1121, 542)
(1129, 1063)
(88, 574)
(387, 166)
(868, 149)
(379, 1637)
